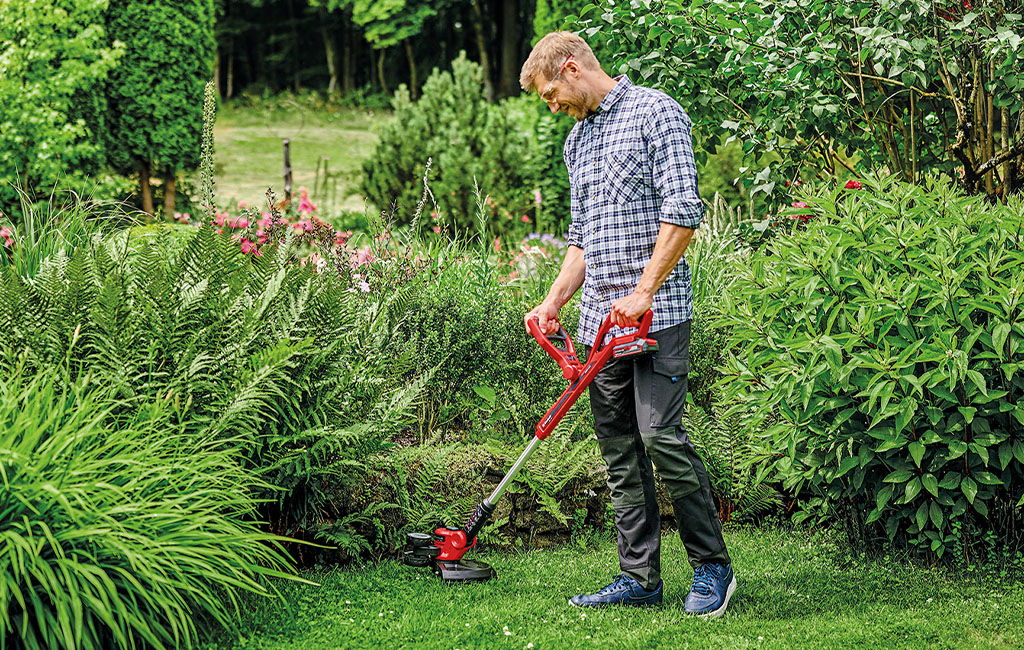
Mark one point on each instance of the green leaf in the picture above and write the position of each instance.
(950, 481)
(485, 392)
(935, 514)
(968, 413)
(931, 484)
(883, 496)
(999, 334)
(1005, 454)
(969, 488)
(987, 478)
(898, 476)
(957, 448)
(981, 507)
(916, 452)
(913, 489)
(921, 516)
(978, 380)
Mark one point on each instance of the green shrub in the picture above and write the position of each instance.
(306, 376)
(491, 378)
(467, 140)
(55, 59)
(118, 531)
(887, 337)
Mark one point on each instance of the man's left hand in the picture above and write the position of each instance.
(626, 312)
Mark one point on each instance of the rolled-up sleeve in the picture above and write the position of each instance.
(668, 132)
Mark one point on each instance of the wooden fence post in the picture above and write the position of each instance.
(287, 171)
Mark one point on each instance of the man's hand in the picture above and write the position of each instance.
(547, 316)
(626, 312)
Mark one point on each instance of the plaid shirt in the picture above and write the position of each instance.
(630, 168)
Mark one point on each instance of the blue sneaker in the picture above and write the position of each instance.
(622, 591)
(713, 585)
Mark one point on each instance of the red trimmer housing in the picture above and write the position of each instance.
(444, 550)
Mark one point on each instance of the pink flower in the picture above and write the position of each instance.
(799, 204)
(525, 219)
(247, 246)
(536, 197)
(436, 229)
(433, 215)
(497, 243)
(242, 205)
(853, 185)
(363, 286)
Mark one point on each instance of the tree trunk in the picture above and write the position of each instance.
(330, 49)
(348, 82)
(229, 90)
(216, 72)
(380, 72)
(414, 86)
(481, 44)
(169, 182)
(508, 84)
(147, 191)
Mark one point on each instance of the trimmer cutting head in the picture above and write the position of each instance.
(423, 550)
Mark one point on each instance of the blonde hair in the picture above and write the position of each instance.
(551, 52)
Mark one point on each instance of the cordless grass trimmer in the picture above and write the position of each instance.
(443, 550)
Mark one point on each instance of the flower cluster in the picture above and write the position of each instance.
(8, 236)
(534, 250)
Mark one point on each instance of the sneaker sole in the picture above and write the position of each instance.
(718, 613)
(633, 604)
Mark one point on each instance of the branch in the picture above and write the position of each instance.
(1001, 157)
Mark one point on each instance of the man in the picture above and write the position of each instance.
(634, 210)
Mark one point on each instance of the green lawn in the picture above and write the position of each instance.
(796, 590)
(248, 152)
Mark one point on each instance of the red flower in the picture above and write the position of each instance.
(853, 185)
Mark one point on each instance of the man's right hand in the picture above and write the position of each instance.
(547, 317)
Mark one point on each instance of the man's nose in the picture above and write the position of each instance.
(553, 106)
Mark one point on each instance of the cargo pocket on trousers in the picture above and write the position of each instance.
(668, 390)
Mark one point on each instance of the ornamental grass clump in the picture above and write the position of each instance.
(886, 341)
(117, 532)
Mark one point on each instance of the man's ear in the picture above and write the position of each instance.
(572, 68)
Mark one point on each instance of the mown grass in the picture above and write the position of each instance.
(796, 590)
(248, 151)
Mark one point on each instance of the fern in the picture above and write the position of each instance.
(729, 456)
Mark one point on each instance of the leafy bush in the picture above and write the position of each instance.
(887, 338)
(921, 87)
(496, 380)
(55, 57)
(300, 370)
(468, 140)
(118, 530)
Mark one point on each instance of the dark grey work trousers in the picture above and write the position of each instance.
(637, 404)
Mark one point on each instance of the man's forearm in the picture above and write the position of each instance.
(569, 279)
(668, 249)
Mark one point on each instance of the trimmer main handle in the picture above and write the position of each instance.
(580, 375)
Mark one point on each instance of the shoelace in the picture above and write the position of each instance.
(704, 578)
(619, 583)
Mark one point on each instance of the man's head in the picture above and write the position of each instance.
(566, 74)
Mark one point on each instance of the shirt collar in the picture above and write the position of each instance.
(615, 94)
